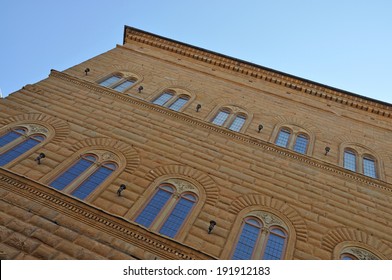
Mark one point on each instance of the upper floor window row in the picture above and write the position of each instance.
(118, 82)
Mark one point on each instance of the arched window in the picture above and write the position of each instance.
(350, 160)
(171, 100)
(360, 161)
(261, 237)
(118, 82)
(167, 210)
(84, 176)
(283, 137)
(18, 141)
(301, 143)
(227, 118)
(296, 141)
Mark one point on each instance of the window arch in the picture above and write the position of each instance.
(19, 140)
(356, 253)
(262, 236)
(230, 117)
(118, 82)
(168, 208)
(85, 175)
(171, 99)
(293, 138)
(358, 159)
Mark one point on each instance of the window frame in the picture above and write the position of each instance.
(122, 79)
(233, 113)
(361, 155)
(85, 175)
(294, 134)
(263, 237)
(175, 97)
(22, 139)
(167, 209)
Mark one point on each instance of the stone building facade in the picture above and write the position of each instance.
(161, 150)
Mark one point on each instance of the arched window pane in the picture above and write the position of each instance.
(283, 138)
(163, 98)
(123, 86)
(11, 136)
(350, 161)
(369, 167)
(301, 144)
(177, 217)
(92, 182)
(220, 118)
(274, 247)
(247, 241)
(152, 209)
(109, 81)
(179, 103)
(237, 124)
(18, 150)
(72, 173)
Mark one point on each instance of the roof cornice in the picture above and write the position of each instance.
(259, 72)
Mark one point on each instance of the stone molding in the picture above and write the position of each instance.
(266, 146)
(286, 210)
(116, 226)
(259, 72)
(345, 234)
(60, 127)
(211, 190)
(130, 154)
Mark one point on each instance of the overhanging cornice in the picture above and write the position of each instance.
(259, 72)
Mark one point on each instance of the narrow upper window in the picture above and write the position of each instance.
(350, 160)
(220, 118)
(369, 167)
(163, 98)
(261, 239)
(84, 176)
(17, 142)
(301, 143)
(283, 137)
(171, 100)
(237, 123)
(226, 118)
(118, 83)
(167, 211)
(179, 103)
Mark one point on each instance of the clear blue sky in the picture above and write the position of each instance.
(341, 43)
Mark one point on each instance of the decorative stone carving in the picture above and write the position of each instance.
(181, 185)
(361, 254)
(36, 128)
(269, 219)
